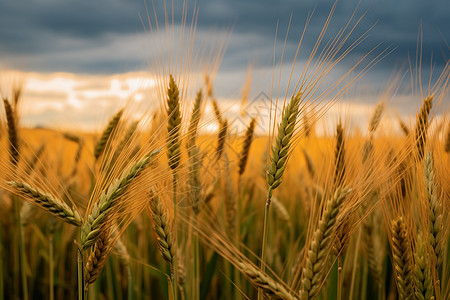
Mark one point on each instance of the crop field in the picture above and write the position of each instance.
(192, 198)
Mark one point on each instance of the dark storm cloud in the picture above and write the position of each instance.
(45, 35)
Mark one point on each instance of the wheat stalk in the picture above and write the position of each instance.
(195, 185)
(230, 201)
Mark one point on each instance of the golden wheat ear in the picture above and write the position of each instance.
(248, 139)
(163, 229)
(106, 134)
(421, 130)
(12, 132)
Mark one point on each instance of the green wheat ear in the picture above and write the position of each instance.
(173, 124)
(280, 149)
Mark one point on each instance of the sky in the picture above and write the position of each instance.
(86, 56)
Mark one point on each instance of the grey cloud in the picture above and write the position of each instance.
(104, 36)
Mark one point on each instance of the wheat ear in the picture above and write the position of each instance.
(173, 124)
(221, 139)
(266, 284)
(97, 258)
(321, 243)
(422, 126)
(434, 211)
(217, 112)
(402, 259)
(107, 132)
(376, 117)
(243, 157)
(422, 273)
(281, 212)
(404, 127)
(195, 119)
(309, 164)
(12, 132)
(48, 202)
(163, 229)
(283, 142)
(98, 217)
(339, 156)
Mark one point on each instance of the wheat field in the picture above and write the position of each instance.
(161, 207)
